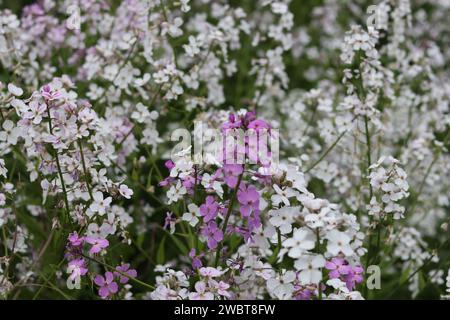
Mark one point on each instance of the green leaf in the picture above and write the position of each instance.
(161, 253)
(179, 244)
(405, 275)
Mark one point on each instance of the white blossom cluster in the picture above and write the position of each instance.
(91, 92)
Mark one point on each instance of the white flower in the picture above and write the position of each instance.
(210, 272)
(283, 218)
(208, 183)
(182, 169)
(185, 7)
(337, 284)
(125, 191)
(302, 240)
(297, 178)
(173, 29)
(201, 293)
(279, 8)
(448, 281)
(282, 286)
(338, 242)
(310, 269)
(101, 232)
(100, 205)
(263, 270)
(10, 133)
(319, 220)
(141, 114)
(282, 195)
(175, 193)
(193, 48)
(15, 90)
(192, 215)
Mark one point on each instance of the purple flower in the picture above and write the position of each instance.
(233, 123)
(75, 240)
(354, 277)
(231, 173)
(77, 268)
(212, 234)
(169, 222)
(125, 268)
(107, 285)
(302, 293)
(189, 184)
(337, 267)
(258, 125)
(209, 209)
(49, 94)
(196, 262)
(167, 181)
(248, 197)
(97, 244)
(254, 222)
(169, 164)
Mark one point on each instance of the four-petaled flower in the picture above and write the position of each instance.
(100, 205)
(97, 244)
(125, 269)
(212, 234)
(107, 285)
(209, 209)
(248, 197)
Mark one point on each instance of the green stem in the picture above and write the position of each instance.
(420, 268)
(121, 273)
(273, 259)
(86, 178)
(326, 152)
(227, 217)
(58, 164)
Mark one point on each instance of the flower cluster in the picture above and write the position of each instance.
(314, 149)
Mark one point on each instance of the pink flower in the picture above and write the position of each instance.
(337, 267)
(170, 222)
(258, 125)
(77, 268)
(107, 285)
(169, 164)
(210, 272)
(354, 277)
(231, 173)
(209, 209)
(302, 293)
(49, 94)
(232, 123)
(196, 262)
(75, 240)
(97, 244)
(212, 234)
(125, 268)
(248, 197)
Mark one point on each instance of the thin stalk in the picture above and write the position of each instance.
(86, 177)
(58, 164)
(121, 273)
(326, 152)
(369, 163)
(420, 268)
(227, 217)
